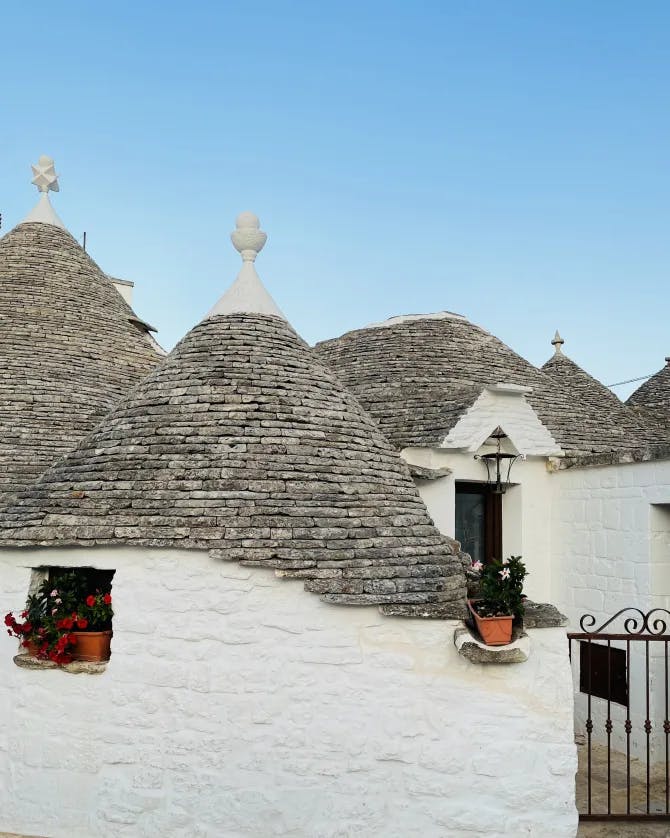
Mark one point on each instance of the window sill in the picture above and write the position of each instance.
(76, 667)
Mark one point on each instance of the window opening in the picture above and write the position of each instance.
(479, 521)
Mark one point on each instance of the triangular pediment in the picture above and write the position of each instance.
(504, 407)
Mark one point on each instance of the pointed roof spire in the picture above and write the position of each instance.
(247, 294)
(557, 343)
(46, 180)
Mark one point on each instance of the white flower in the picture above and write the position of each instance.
(54, 592)
(59, 601)
(477, 565)
(505, 573)
(505, 561)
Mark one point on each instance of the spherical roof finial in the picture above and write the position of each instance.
(557, 343)
(248, 239)
(45, 177)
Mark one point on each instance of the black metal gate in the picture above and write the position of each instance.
(621, 715)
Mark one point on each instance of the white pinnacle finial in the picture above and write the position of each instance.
(557, 343)
(45, 178)
(247, 294)
(248, 239)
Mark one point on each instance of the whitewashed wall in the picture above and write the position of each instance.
(526, 505)
(604, 553)
(610, 550)
(236, 704)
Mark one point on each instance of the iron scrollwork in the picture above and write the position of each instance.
(654, 622)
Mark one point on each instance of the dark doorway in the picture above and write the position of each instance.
(479, 521)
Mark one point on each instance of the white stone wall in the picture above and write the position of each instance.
(236, 704)
(602, 521)
(611, 550)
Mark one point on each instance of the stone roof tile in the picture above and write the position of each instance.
(655, 392)
(68, 346)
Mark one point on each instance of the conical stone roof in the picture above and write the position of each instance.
(70, 347)
(418, 374)
(242, 442)
(655, 392)
(587, 389)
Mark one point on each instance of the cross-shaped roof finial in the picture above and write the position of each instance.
(45, 177)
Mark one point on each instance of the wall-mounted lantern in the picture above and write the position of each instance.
(497, 463)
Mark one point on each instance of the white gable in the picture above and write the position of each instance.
(503, 405)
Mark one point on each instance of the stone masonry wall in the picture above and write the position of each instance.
(602, 561)
(601, 537)
(236, 704)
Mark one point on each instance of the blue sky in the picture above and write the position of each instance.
(507, 161)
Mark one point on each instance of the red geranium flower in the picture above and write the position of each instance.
(107, 599)
(90, 600)
(82, 623)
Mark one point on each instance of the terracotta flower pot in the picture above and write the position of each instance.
(91, 645)
(28, 647)
(494, 631)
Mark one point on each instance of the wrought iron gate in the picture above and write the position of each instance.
(621, 715)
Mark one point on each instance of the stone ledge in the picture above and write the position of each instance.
(473, 650)
(426, 473)
(75, 668)
(538, 615)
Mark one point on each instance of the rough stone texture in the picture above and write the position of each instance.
(242, 442)
(76, 667)
(234, 705)
(654, 392)
(424, 473)
(614, 458)
(474, 650)
(69, 350)
(418, 377)
(585, 388)
(542, 615)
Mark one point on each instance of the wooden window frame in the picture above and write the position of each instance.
(492, 517)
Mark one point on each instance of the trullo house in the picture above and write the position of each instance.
(283, 658)
(70, 345)
(584, 489)
(547, 463)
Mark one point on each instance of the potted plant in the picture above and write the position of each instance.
(500, 599)
(92, 627)
(65, 620)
